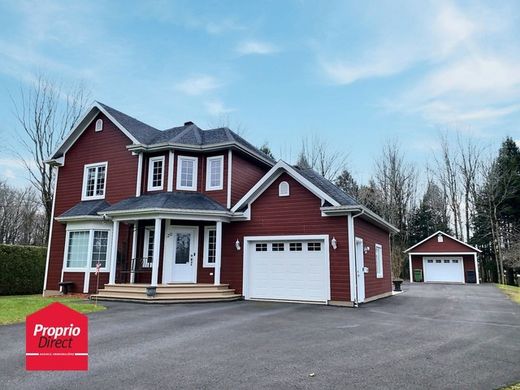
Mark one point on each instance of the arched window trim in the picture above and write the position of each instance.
(99, 125)
(283, 189)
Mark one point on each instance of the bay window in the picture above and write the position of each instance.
(85, 248)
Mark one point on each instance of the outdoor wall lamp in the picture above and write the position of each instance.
(237, 244)
(334, 243)
(366, 249)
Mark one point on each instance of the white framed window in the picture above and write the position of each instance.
(210, 246)
(155, 173)
(314, 246)
(148, 246)
(261, 247)
(99, 125)
(187, 173)
(283, 189)
(85, 248)
(278, 246)
(214, 173)
(379, 261)
(295, 247)
(94, 181)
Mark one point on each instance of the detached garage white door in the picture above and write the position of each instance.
(288, 269)
(443, 269)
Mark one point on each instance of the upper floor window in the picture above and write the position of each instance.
(283, 189)
(99, 125)
(379, 261)
(214, 173)
(187, 173)
(94, 181)
(155, 173)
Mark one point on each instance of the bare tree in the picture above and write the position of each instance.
(317, 154)
(45, 112)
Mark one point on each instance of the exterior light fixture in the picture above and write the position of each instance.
(334, 243)
(237, 244)
(366, 249)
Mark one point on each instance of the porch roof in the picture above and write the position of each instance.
(88, 208)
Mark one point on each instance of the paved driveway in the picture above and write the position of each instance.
(431, 336)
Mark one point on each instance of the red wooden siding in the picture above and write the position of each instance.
(296, 214)
(469, 262)
(448, 245)
(371, 236)
(91, 147)
(76, 277)
(245, 175)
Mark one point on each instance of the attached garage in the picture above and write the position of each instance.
(290, 268)
(441, 258)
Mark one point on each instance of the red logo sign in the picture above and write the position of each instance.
(56, 338)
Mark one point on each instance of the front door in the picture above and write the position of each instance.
(184, 254)
(360, 270)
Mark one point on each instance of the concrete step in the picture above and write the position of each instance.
(167, 299)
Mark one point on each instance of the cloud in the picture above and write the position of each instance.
(217, 108)
(256, 47)
(198, 85)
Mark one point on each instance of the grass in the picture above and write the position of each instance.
(512, 292)
(13, 309)
(511, 387)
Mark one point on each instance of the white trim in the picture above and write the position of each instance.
(146, 245)
(410, 267)
(193, 187)
(284, 189)
(446, 235)
(379, 275)
(139, 180)
(476, 268)
(171, 156)
(151, 162)
(205, 257)
(218, 253)
(344, 210)
(229, 177)
(50, 230)
(360, 275)
(156, 251)
(271, 176)
(134, 250)
(304, 237)
(209, 187)
(459, 258)
(441, 253)
(86, 167)
(100, 127)
(352, 258)
(113, 254)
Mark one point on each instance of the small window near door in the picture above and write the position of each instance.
(149, 235)
(438, 261)
(210, 246)
(379, 261)
(278, 247)
(455, 261)
(430, 261)
(314, 246)
(261, 247)
(295, 246)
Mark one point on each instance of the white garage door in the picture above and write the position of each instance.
(288, 270)
(443, 269)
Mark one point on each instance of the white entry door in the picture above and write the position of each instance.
(184, 254)
(360, 270)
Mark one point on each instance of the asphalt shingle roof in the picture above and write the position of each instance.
(85, 208)
(168, 200)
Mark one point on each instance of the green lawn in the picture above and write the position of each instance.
(14, 308)
(512, 292)
(511, 387)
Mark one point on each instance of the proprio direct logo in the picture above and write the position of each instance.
(56, 338)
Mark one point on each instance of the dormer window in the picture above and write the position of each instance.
(94, 181)
(187, 173)
(99, 125)
(155, 173)
(214, 173)
(283, 189)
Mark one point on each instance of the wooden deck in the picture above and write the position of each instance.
(167, 293)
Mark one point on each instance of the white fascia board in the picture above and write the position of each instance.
(446, 235)
(271, 176)
(439, 253)
(79, 218)
(345, 210)
(146, 213)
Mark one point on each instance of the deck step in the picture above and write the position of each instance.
(167, 299)
(161, 291)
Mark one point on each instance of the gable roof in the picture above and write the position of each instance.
(446, 235)
(144, 136)
(335, 201)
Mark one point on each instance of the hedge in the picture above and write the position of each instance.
(22, 269)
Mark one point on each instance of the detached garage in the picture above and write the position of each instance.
(441, 258)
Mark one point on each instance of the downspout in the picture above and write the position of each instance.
(352, 244)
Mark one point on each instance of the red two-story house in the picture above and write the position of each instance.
(142, 212)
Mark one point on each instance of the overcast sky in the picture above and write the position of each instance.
(356, 73)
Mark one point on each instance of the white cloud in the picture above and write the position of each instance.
(198, 85)
(256, 47)
(217, 108)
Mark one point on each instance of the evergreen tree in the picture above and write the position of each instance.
(347, 183)
(267, 150)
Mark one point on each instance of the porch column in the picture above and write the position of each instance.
(476, 268)
(218, 252)
(134, 252)
(156, 251)
(113, 255)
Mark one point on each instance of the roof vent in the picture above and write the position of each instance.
(189, 123)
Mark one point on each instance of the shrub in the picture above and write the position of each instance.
(22, 269)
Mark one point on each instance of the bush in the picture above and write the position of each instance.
(22, 269)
